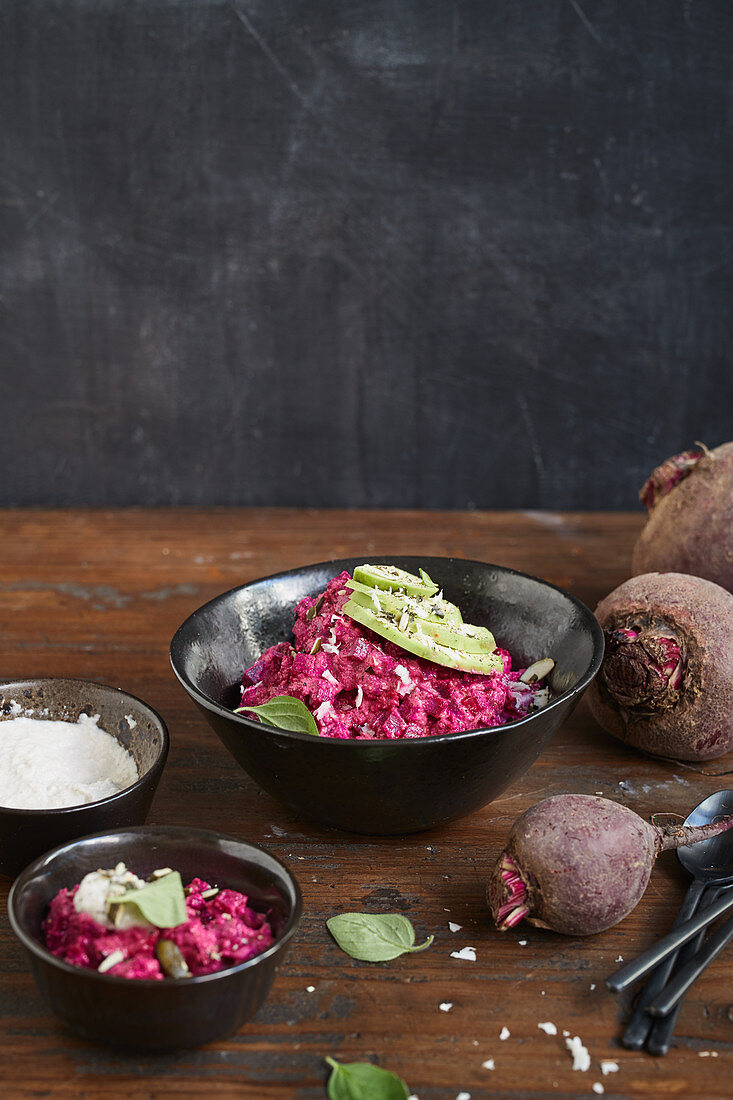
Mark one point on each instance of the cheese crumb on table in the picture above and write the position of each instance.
(548, 1027)
(488, 1064)
(446, 1006)
(467, 953)
(581, 1057)
(504, 1033)
(609, 1067)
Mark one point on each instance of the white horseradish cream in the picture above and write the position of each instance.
(46, 764)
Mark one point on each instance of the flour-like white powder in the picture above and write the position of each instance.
(47, 764)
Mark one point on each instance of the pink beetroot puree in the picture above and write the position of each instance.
(360, 686)
(221, 931)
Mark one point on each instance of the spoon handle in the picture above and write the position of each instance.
(692, 971)
(631, 972)
(641, 1023)
(662, 1029)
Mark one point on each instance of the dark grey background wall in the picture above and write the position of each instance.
(359, 252)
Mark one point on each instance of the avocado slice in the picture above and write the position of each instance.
(386, 625)
(390, 576)
(460, 636)
(383, 599)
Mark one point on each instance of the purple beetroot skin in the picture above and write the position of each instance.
(690, 524)
(578, 864)
(666, 682)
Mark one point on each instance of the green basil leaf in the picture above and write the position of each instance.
(363, 1081)
(162, 902)
(284, 712)
(374, 937)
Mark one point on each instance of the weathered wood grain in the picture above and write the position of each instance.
(99, 595)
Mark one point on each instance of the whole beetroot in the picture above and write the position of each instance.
(666, 682)
(578, 864)
(690, 524)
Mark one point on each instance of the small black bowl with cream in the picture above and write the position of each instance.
(119, 742)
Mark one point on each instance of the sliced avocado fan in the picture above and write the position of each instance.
(424, 625)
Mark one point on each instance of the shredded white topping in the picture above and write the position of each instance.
(328, 675)
(359, 697)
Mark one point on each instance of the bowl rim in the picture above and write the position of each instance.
(155, 767)
(44, 955)
(209, 704)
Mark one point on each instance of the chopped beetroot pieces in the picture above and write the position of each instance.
(221, 931)
(359, 686)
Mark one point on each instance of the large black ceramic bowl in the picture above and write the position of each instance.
(24, 834)
(388, 786)
(173, 1013)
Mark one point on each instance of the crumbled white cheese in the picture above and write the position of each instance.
(581, 1057)
(326, 647)
(541, 698)
(97, 890)
(504, 1033)
(467, 953)
(592, 986)
(51, 764)
(130, 721)
(310, 989)
(454, 927)
(707, 1054)
(463, 1096)
(446, 1006)
(359, 697)
(620, 959)
(522, 943)
(598, 1088)
(488, 1064)
(324, 709)
(328, 675)
(548, 1027)
(609, 1067)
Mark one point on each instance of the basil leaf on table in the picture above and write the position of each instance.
(284, 712)
(162, 903)
(363, 1081)
(374, 937)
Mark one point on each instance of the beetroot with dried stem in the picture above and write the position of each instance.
(666, 682)
(690, 524)
(578, 864)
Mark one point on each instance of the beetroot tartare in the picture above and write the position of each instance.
(220, 930)
(357, 685)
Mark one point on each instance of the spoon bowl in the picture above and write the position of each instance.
(710, 861)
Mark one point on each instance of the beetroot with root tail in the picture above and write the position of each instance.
(578, 864)
(690, 524)
(666, 682)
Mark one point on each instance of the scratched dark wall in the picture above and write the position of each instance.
(358, 252)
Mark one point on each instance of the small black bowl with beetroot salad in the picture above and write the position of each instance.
(351, 707)
(155, 937)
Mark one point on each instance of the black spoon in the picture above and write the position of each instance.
(711, 864)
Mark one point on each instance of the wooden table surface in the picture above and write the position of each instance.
(99, 594)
